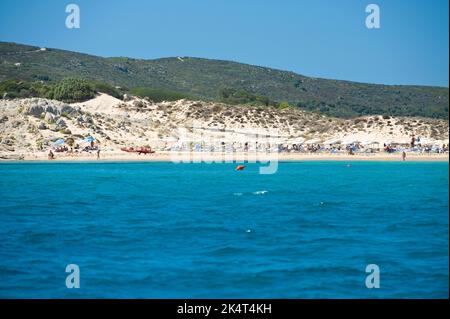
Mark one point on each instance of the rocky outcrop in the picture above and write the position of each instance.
(61, 123)
(49, 117)
(11, 157)
(37, 106)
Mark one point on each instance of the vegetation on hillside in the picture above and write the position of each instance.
(72, 90)
(242, 97)
(67, 90)
(158, 95)
(78, 90)
(234, 96)
(108, 89)
(22, 89)
(206, 79)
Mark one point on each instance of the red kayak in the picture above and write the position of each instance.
(139, 150)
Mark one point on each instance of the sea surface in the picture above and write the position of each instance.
(165, 230)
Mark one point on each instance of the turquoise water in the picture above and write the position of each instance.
(163, 230)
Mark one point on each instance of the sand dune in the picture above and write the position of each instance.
(29, 126)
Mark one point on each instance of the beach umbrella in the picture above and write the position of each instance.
(333, 141)
(371, 143)
(313, 141)
(440, 142)
(275, 140)
(58, 142)
(298, 140)
(427, 141)
(401, 141)
(89, 139)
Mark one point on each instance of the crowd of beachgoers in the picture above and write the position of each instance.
(414, 146)
(92, 146)
(315, 148)
(88, 145)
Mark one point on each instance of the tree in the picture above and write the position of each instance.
(283, 105)
(73, 90)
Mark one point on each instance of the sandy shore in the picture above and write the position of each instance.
(186, 157)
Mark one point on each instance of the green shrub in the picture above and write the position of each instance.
(70, 141)
(106, 88)
(73, 90)
(158, 95)
(23, 89)
(67, 90)
(234, 96)
(283, 105)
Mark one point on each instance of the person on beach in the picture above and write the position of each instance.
(404, 156)
(98, 154)
(51, 155)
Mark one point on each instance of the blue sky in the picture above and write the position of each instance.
(320, 38)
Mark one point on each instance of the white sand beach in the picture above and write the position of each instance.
(187, 157)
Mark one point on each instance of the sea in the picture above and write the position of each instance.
(319, 229)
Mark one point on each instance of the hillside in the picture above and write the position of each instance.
(206, 79)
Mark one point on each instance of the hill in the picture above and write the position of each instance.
(225, 81)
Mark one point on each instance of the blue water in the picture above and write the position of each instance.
(164, 230)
